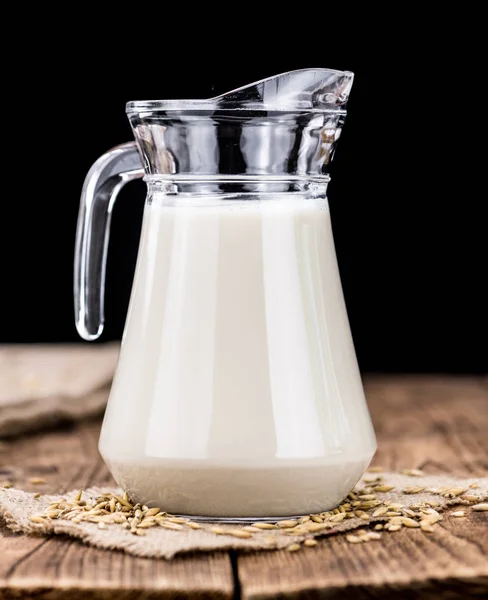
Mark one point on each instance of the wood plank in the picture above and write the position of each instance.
(60, 568)
(439, 425)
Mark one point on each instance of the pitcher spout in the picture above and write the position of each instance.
(302, 90)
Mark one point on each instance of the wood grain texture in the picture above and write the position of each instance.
(54, 568)
(439, 425)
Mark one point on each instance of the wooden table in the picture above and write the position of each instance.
(437, 424)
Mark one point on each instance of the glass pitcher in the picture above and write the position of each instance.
(237, 392)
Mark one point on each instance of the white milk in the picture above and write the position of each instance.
(237, 392)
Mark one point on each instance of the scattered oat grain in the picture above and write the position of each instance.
(371, 478)
(384, 488)
(337, 518)
(407, 522)
(287, 523)
(146, 524)
(173, 526)
(218, 530)
(413, 472)
(314, 527)
(37, 519)
(264, 525)
(177, 520)
(239, 533)
(470, 498)
(413, 489)
(453, 492)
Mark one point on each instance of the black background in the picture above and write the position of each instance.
(407, 194)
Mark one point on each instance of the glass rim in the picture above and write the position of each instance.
(179, 106)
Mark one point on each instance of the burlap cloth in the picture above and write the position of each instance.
(17, 506)
(42, 384)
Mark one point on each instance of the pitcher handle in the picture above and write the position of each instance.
(105, 179)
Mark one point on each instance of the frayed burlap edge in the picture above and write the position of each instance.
(17, 506)
(54, 383)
